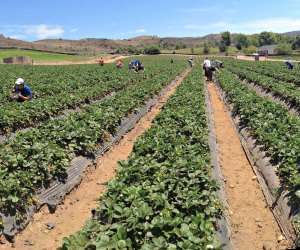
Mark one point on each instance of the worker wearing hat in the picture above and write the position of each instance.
(21, 91)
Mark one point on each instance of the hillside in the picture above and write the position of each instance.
(95, 45)
(292, 33)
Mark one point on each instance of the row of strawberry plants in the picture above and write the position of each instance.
(163, 196)
(32, 159)
(273, 126)
(15, 115)
(275, 70)
(288, 92)
(47, 81)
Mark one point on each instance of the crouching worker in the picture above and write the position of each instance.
(21, 92)
(289, 64)
(219, 64)
(120, 64)
(140, 66)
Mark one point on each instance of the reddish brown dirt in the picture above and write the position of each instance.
(250, 58)
(92, 61)
(70, 216)
(252, 223)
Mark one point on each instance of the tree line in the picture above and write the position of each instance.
(244, 43)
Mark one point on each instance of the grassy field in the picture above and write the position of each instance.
(199, 50)
(41, 56)
(286, 57)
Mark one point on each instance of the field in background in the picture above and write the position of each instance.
(42, 56)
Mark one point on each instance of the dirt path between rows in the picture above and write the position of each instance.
(252, 223)
(71, 215)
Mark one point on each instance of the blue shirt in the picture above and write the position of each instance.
(26, 91)
(135, 62)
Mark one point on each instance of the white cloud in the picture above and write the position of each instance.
(211, 9)
(278, 25)
(73, 30)
(273, 24)
(19, 37)
(41, 31)
(137, 31)
(140, 31)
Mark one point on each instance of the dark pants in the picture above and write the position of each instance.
(209, 75)
(20, 100)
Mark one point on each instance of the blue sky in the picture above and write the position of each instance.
(31, 20)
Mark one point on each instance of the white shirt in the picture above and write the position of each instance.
(207, 63)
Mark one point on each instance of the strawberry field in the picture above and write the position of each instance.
(164, 195)
(270, 120)
(32, 159)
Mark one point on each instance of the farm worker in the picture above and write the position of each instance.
(210, 72)
(140, 66)
(190, 61)
(21, 92)
(219, 64)
(130, 65)
(289, 65)
(100, 61)
(206, 63)
(120, 64)
(206, 66)
(135, 62)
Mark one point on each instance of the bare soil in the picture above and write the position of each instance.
(92, 61)
(70, 216)
(252, 223)
(250, 58)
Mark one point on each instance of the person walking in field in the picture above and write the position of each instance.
(100, 61)
(206, 63)
(21, 92)
(206, 67)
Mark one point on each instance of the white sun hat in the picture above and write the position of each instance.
(20, 81)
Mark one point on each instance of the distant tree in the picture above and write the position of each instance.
(180, 46)
(241, 41)
(226, 38)
(222, 47)
(152, 49)
(192, 50)
(268, 38)
(131, 50)
(206, 48)
(296, 44)
(253, 40)
(250, 50)
(139, 50)
(165, 45)
(284, 49)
